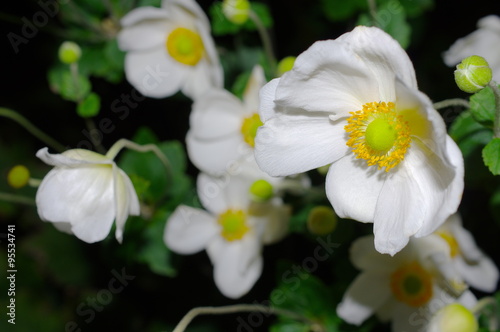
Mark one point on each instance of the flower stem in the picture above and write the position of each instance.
(17, 199)
(266, 40)
(489, 307)
(182, 325)
(451, 102)
(373, 11)
(125, 143)
(496, 123)
(92, 128)
(13, 115)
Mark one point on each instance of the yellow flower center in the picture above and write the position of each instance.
(249, 128)
(233, 224)
(378, 134)
(185, 46)
(452, 242)
(412, 284)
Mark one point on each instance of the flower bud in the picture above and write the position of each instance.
(236, 11)
(18, 176)
(322, 220)
(473, 74)
(69, 52)
(285, 64)
(453, 318)
(261, 190)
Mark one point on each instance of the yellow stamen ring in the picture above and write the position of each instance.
(185, 46)
(378, 134)
(249, 128)
(412, 284)
(233, 224)
(452, 242)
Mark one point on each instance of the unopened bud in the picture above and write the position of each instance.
(473, 74)
(322, 220)
(69, 52)
(285, 64)
(236, 11)
(261, 190)
(18, 176)
(453, 318)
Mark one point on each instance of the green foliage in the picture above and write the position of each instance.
(90, 106)
(491, 156)
(71, 87)
(105, 60)
(338, 10)
(468, 134)
(482, 107)
(221, 25)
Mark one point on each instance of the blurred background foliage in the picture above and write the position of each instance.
(57, 273)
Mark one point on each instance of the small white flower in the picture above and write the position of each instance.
(232, 230)
(353, 103)
(84, 193)
(170, 49)
(485, 42)
(477, 269)
(406, 289)
(223, 128)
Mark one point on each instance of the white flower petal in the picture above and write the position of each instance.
(74, 157)
(141, 14)
(64, 227)
(144, 34)
(276, 224)
(482, 275)
(328, 77)
(190, 7)
(189, 230)
(368, 292)
(153, 73)
(399, 212)
(228, 276)
(216, 156)
(364, 256)
(82, 196)
(353, 188)
(408, 319)
(466, 243)
(383, 56)
(251, 94)
(216, 114)
(126, 200)
(291, 144)
(267, 94)
(199, 79)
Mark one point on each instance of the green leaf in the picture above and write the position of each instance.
(154, 252)
(416, 7)
(491, 156)
(338, 10)
(390, 17)
(62, 82)
(482, 107)
(468, 134)
(290, 326)
(90, 106)
(221, 25)
(104, 60)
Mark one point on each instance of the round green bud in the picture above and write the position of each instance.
(18, 176)
(285, 64)
(453, 318)
(322, 220)
(69, 52)
(261, 190)
(236, 11)
(473, 74)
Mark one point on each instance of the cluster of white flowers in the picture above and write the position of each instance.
(351, 103)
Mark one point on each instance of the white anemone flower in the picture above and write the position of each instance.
(406, 289)
(477, 269)
(223, 127)
(84, 193)
(170, 49)
(485, 42)
(233, 230)
(353, 103)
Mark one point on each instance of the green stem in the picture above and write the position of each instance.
(13, 115)
(230, 309)
(17, 199)
(496, 123)
(266, 40)
(92, 128)
(125, 143)
(489, 307)
(372, 6)
(451, 102)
